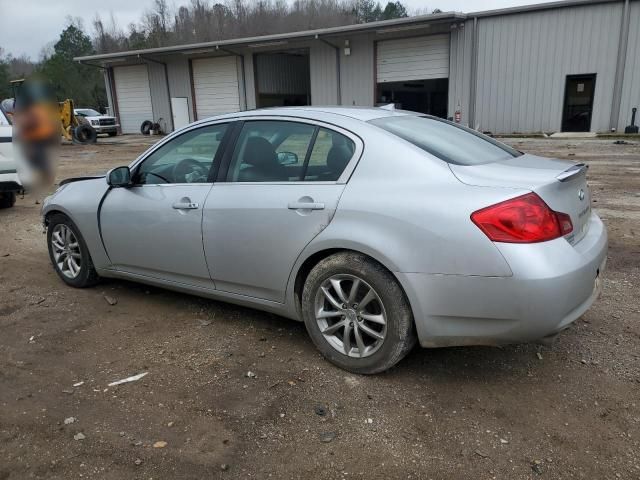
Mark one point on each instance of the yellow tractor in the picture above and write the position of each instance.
(72, 128)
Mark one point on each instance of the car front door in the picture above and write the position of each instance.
(278, 189)
(154, 227)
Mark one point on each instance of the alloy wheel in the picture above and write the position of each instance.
(66, 251)
(351, 315)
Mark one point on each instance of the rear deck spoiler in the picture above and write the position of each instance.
(572, 172)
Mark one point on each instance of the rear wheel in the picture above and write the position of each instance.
(69, 254)
(7, 199)
(356, 313)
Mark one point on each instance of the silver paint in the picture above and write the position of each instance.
(395, 203)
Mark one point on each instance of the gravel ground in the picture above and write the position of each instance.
(571, 410)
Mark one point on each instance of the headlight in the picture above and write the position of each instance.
(95, 122)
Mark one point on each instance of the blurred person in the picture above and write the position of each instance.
(36, 133)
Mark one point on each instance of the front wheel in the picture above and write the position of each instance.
(69, 254)
(356, 313)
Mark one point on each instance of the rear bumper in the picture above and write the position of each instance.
(552, 285)
(10, 182)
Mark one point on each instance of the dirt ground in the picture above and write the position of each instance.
(571, 410)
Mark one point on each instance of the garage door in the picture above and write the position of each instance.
(133, 96)
(418, 58)
(215, 84)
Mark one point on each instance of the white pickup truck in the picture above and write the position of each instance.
(9, 182)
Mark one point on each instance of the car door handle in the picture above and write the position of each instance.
(185, 205)
(306, 206)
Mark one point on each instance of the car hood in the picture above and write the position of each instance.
(79, 179)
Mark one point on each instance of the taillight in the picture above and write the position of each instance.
(524, 219)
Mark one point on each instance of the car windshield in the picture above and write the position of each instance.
(88, 112)
(447, 141)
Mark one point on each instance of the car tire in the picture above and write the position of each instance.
(146, 127)
(7, 199)
(112, 134)
(84, 275)
(387, 305)
(85, 134)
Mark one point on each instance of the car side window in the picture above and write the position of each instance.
(284, 151)
(270, 151)
(331, 153)
(187, 158)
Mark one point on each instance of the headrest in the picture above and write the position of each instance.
(259, 152)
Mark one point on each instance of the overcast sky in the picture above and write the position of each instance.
(27, 26)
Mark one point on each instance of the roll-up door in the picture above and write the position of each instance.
(215, 84)
(133, 97)
(417, 58)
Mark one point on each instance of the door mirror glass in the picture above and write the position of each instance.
(119, 177)
(287, 158)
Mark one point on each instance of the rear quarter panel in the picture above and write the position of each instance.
(406, 209)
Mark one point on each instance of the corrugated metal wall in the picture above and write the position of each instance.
(460, 70)
(631, 83)
(523, 61)
(358, 71)
(107, 83)
(324, 79)
(160, 96)
(179, 80)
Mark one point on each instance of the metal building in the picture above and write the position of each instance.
(563, 66)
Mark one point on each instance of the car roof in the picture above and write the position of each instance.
(319, 112)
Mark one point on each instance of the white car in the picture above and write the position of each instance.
(9, 182)
(100, 123)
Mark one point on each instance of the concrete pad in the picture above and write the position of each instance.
(574, 135)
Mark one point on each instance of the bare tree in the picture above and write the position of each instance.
(202, 21)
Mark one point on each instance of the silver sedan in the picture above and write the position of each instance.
(377, 228)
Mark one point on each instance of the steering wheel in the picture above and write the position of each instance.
(189, 170)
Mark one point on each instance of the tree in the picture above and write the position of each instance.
(394, 10)
(367, 11)
(82, 83)
(5, 89)
(209, 20)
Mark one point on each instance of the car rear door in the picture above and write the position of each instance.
(279, 188)
(153, 228)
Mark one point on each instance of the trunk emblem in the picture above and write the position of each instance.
(581, 194)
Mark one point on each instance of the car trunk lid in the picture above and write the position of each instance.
(560, 183)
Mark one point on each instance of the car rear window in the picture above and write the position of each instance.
(447, 141)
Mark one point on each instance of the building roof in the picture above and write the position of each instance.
(301, 35)
(383, 26)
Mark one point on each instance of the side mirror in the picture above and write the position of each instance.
(119, 177)
(287, 158)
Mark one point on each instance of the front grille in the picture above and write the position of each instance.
(107, 121)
